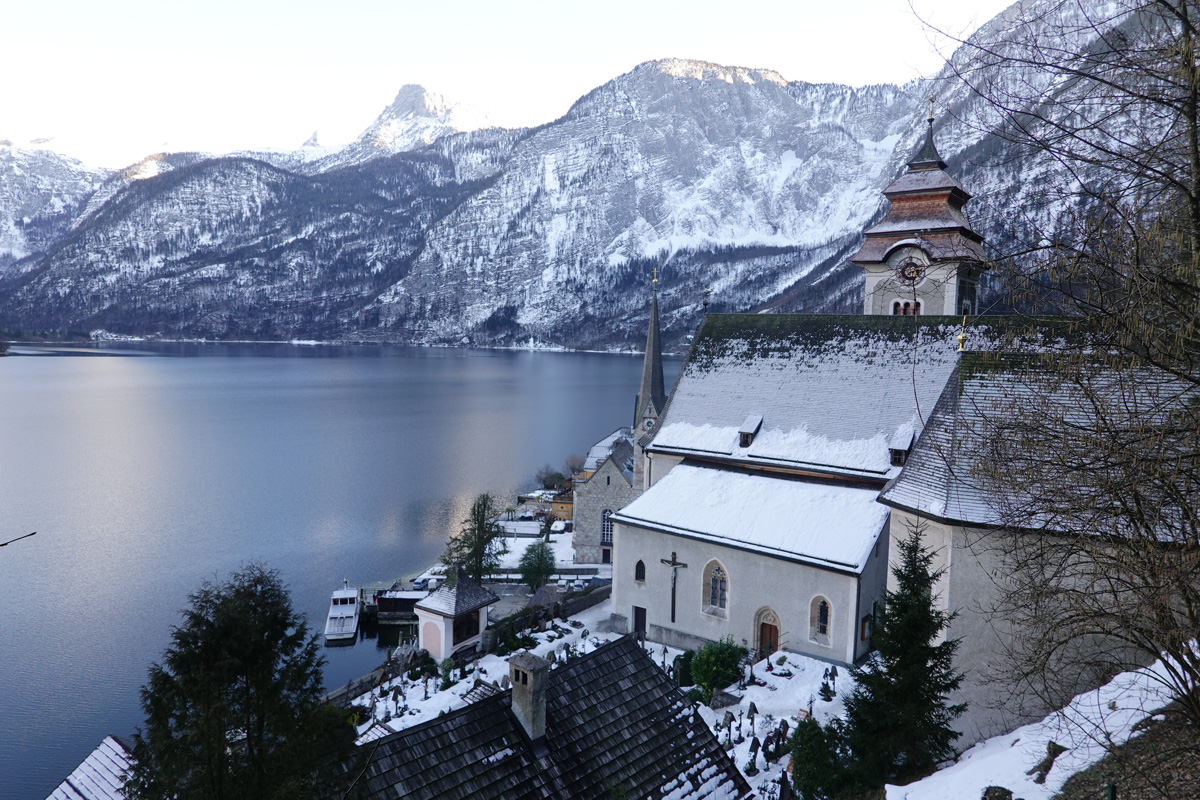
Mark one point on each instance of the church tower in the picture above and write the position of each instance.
(652, 394)
(922, 257)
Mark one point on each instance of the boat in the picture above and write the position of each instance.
(343, 614)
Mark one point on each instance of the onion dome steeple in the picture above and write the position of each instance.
(923, 257)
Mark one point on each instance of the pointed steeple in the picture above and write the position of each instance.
(927, 157)
(652, 394)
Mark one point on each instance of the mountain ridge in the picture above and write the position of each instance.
(725, 178)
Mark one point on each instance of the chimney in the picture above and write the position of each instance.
(529, 674)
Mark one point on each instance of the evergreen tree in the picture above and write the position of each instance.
(816, 751)
(234, 710)
(480, 541)
(897, 723)
(537, 565)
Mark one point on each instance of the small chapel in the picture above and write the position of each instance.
(759, 514)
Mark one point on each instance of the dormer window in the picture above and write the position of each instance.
(748, 430)
(900, 447)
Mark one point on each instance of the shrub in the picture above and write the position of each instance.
(715, 665)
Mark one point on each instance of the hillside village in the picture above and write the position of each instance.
(760, 500)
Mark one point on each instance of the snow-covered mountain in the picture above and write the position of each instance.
(416, 117)
(41, 195)
(768, 180)
(433, 227)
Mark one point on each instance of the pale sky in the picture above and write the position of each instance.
(112, 81)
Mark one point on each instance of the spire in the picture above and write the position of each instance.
(927, 157)
(652, 394)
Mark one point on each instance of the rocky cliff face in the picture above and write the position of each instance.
(41, 195)
(424, 230)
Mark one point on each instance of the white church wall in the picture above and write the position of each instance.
(973, 563)
(658, 465)
(872, 587)
(755, 583)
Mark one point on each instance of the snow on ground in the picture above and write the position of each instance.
(781, 696)
(1093, 722)
(416, 705)
(564, 550)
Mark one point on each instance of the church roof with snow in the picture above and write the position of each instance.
(832, 391)
(615, 723)
(946, 474)
(826, 525)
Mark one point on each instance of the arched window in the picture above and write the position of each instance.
(906, 308)
(606, 526)
(718, 588)
(715, 589)
(639, 571)
(820, 620)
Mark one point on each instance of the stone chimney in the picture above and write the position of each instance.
(529, 675)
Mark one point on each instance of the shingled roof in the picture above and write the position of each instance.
(100, 776)
(463, 597)
(832, 391)
(614, 722)
(942, 478)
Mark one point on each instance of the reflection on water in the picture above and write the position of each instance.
(145, 476)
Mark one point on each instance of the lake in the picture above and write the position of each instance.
(147, 469)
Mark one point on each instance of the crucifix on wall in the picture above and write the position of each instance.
(674, 564)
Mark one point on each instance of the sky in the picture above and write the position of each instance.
(110, 82)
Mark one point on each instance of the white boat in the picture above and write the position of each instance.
(343, 614)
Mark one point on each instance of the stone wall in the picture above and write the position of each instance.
(607, 489)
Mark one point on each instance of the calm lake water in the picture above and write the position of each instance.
(147, 470)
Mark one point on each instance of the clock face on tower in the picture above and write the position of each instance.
(647, 424)
(910, 270)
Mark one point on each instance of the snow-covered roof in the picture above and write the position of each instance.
(925, 181)
(946, 475)
(826, 525)
(602, 448)
(832, 390)
(99, 777)
(939, 246)
(613, 718)
(463, 597)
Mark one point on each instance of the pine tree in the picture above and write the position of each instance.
(234, 710)
(537, 565)
(480, 541)
(897, 723)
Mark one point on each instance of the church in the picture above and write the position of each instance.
(760, 516)
(614, 471)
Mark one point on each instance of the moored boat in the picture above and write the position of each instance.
(342, 623)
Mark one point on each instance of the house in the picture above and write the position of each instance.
(603, 725)
(453, 617)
